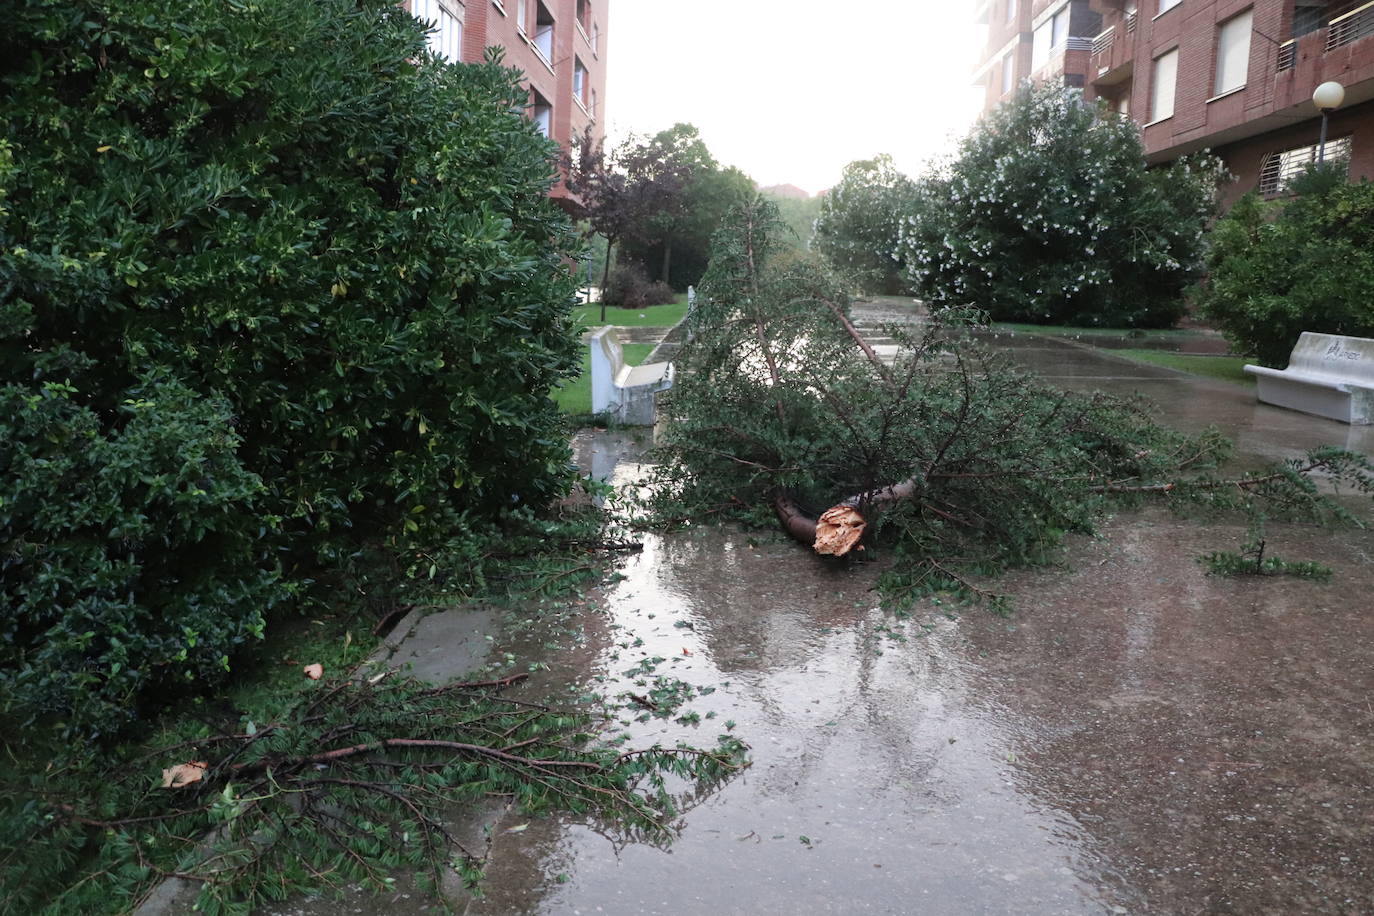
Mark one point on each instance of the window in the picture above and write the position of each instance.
(591, 105)
(520, 15)
(584, 14)
(543, 32)
(1008, 71)
(596, 37)
(541, 113)
(1011, 10)
(1166, 5)
(1051, 34)
(446, 19)
(1279, 169)
(1162, 86)
(1233, 52)
(580, 81)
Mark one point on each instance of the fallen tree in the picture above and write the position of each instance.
(935, 446)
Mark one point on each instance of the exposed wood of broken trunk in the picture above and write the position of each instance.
(840, 529)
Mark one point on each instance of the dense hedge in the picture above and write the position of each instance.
(1279, 268)
(276, 285)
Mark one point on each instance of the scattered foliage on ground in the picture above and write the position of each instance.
(1306, 263)
(1048, 215)
(1251, 560)
(350, 780)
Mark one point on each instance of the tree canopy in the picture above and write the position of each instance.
(860, 223)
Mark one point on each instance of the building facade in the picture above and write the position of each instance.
(1232, 76)
(559, 46)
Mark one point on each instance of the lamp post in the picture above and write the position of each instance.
(1327, 97)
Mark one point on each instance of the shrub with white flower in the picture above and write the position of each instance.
(1049, 215)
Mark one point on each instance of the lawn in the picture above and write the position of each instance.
(1056, 330)
(575, 398)
(1226, 368)
(649, 316)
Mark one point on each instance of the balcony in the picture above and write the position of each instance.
(1309, 42)
(1353, 26)
(1102, 44)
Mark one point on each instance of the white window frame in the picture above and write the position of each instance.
(1165, 6)
(446, 16)
(1011, 10)
(1043, 44)
(1008, 72)
(1162, 96)
(1233, 53)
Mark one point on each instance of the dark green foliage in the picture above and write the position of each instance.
(281, 287)
(686, 194)
(861, 221)
(1049, 216)
(961, 463)
(354, 779)
(1279, 268)
(132, 560)
(629, 286)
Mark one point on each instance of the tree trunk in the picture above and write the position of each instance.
(840, 528)
(667, 257)
(605, 276)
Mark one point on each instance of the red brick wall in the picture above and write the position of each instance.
(1245, 158)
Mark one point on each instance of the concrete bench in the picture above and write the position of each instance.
(628, 393)
(1327, 375)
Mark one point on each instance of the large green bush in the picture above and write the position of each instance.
(276, 286)
(1048, 215)
(1279, 268)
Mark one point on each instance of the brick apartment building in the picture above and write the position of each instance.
(1233, 76)
(560, 46)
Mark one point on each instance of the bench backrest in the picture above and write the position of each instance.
(607, 361)
(1335, 356)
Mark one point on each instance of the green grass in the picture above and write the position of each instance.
(575, 398)
(649, 316)
(1226, 368)
(1059, 330)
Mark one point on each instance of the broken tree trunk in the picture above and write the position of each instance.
(840, 529)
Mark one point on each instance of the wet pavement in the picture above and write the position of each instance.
(1139, 737)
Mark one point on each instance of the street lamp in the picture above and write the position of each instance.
(1327, 97)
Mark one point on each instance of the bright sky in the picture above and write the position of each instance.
(793, 90)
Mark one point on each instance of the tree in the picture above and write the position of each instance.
(860, 223)
(278, 289)
(686, 193)
(960, 463)
(1276, 269)
(1049, 215)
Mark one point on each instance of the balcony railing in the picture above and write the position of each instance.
(1353, 26)
(1078, 43)
(1103, 42)
(1288, 54)
(1131, 18)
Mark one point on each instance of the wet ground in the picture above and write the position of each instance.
(1138, 737)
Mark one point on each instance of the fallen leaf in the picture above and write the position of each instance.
(103, 149)
(183, 774)
(314, 672)
(686, 651)
(518, 828)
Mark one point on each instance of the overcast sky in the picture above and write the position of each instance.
(790, 91)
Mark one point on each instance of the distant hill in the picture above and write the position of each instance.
(785, 190)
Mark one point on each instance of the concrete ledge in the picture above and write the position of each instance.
(628, 393)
